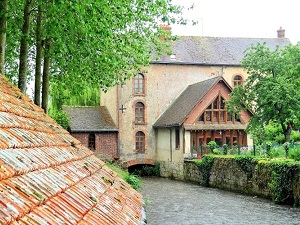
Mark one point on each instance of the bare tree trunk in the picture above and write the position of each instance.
(46, 76)
(24, 47)
(3, 25)
(38, 59)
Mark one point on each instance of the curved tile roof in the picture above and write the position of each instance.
(215, 50)
(48, 177)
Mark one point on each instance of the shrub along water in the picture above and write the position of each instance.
(131, 179)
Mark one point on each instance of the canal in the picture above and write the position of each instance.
(171, 202)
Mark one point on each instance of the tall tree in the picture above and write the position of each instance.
(3, 23)
(23, 57)
(272, 90)
(91, 43)
(38, 57)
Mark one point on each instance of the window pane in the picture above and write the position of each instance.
(139, 84)
(140, 141)
(139, 112)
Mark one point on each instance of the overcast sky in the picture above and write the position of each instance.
(242, 18)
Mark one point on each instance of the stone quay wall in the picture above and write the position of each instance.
(227, 174)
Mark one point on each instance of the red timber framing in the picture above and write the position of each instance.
(200, 138)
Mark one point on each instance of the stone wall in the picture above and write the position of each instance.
(172, 169)
(227, 174)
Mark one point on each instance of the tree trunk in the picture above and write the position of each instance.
(46, 76)
(3, 25)
(24, 47)
(38, 59)
(287, 133)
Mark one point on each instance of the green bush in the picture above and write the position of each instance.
(212, 145)
(294, 153)
(205, 164)
(134, 181)
(61, 118)
(281, 184)
(277, 152)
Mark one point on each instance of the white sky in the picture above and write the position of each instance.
(241, 18)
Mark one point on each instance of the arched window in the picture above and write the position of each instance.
(237, 80)
(139, 113)
(140, 142)
(139, 84)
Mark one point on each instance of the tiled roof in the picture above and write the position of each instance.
(48, 177)
(177, 112)
(90, 118)
(215, 50)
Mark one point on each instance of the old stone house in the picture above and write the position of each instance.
(48, 177)
(199, 67)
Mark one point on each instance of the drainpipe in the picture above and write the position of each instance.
(171, 157)
(118, 115)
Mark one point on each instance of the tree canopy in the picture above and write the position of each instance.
(81, 44)
(272, 90)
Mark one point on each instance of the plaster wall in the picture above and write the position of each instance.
(163, 84)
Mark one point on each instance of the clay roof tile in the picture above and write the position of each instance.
(48, 177)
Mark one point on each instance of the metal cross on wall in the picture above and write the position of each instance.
(122, 108)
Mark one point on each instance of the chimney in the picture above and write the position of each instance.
(166, 32)
(281, 33)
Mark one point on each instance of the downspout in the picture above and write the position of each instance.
(171, 156)
(118, 118)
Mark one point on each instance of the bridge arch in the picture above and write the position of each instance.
(139, 162)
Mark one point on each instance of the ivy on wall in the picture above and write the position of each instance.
(282, 182)
(205, 164)
(247, 164)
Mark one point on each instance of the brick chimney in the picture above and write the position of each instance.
(167, 30)
(281, 33)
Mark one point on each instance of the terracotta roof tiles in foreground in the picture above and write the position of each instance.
(48, 177)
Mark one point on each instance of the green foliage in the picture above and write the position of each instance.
(276, 152)
(90, 42)
(247, 163)
(131, 179)
(272, 85)
(281, 184)
(212, 145)
(294, 153)
(205, 164)
(148, 170)
(225, 149)
(134, 181)
(61, 118)
(82, 94)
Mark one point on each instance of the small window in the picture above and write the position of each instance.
(237, 80)
(139, 113)
(177, 137)
(92, 142)
(140, 142)
(139, 84)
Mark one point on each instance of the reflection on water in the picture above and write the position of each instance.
(178, 203)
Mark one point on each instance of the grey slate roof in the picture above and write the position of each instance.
(215, 50)
(90, 119)
(181, 107)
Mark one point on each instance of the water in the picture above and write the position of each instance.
(172, 202)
